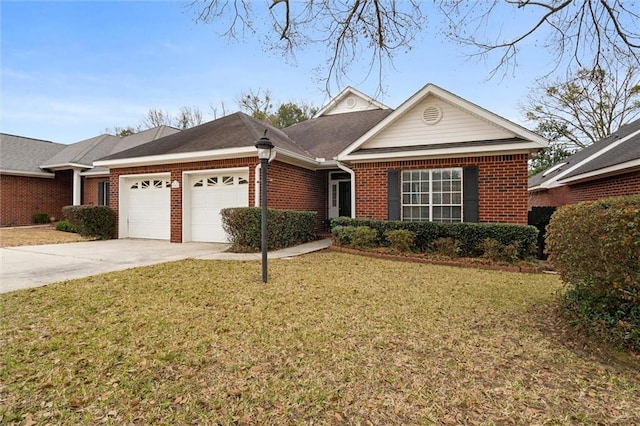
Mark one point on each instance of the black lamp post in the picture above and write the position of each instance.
(264, 147)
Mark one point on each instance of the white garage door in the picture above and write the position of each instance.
(149, 208)
(211, 193)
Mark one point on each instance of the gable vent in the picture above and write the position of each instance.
(431, 115)
(351, 102)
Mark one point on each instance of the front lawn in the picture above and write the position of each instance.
(36, 235)
(331, 339)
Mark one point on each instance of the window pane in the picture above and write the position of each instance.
(446, 198)
(437, 198)
(456, 174)
(437, 175)
(406, 186)
(446, 174)
(456, 214)
(456, 185)
(446, 186)
(456, 198)
(437, 186)
(415, 175)
(425, 198)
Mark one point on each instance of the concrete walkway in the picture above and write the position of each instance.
(34, 266)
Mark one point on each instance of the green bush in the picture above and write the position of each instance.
(65, 226)
(359, 237)
(469, 235)
(92, 221)
(40, 218)
(595, 246)
(286, 228)
(400, 239)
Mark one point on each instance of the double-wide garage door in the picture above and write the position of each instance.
(148, 205)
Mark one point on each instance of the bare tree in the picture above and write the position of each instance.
(257, 104)
(351, 30)
(578, 31)
(587, 106)
(188, 117)
(156, 117)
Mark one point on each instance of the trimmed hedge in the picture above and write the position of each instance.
(65, 226)
(469, 235)
(595, 246)
(286, 228)
(92, 221)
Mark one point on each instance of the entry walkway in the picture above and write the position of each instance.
(34, 266)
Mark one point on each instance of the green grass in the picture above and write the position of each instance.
(331, 339)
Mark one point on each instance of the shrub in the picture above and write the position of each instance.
(65, 226)
(400, 239)
(447, 247)
(498, 252)
(469, 235)
(92, 221)
(595, 246)
(40, 218)
(286, 228)
(354, 236)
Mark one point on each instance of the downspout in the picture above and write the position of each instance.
(353, 186)
(256, 175)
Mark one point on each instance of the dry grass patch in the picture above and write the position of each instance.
(33, 236)
(331, 339)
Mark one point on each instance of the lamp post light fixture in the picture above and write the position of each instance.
(264, 147)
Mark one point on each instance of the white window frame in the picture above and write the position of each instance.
(426, 189)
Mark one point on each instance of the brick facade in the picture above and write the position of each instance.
(90, 189)
(553, 197)
(502, 185)
(22, 196)
(290, 187)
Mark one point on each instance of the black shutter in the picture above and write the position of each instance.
(106, 193)
(393, 195)
(470, 191)
(100, 193)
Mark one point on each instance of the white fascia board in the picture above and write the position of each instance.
(625, 167)
(94, 173)
(506, 149)
(27, 174)
(186, 157)
(296, 159)
(66, 166)
(432, 89)
(555, 181)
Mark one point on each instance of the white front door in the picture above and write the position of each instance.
(339, 194)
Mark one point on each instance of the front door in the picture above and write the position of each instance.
(339, 194)
(344, 198)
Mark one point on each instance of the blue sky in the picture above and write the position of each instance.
(71, 69)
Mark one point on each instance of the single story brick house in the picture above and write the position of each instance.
(607, 168)
(38, 176)
(436, 157)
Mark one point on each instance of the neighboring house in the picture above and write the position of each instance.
(437, 157)
(607, 168)
(42, 177)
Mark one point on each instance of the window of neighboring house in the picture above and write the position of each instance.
(434, 195)
(103, 193)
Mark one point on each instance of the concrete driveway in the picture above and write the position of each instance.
(33, 266)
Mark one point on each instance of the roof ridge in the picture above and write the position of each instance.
(90, 146)
(33, 139)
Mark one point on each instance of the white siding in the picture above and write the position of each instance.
(351, 103)
(455, 125)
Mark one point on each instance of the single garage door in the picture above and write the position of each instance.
(148, 212)
(211, 193)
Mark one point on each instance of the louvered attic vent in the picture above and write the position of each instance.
(431, 115)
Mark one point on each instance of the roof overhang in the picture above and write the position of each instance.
(27, 174)
(444, 152)
(616, 169)
(184, 157)
(66, 166)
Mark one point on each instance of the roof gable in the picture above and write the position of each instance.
(83, 153)
(435, 118)
(349, 100)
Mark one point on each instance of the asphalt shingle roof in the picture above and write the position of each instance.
(626, 151)
(84, 152)
(327, 136)
(21, 154)
(232, 131)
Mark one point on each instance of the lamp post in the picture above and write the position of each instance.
(264, 147)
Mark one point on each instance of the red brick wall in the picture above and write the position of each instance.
(90, 189)
(502, 180)
(21, 197)
(627, 184)
(290, 187)
(553, 197)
